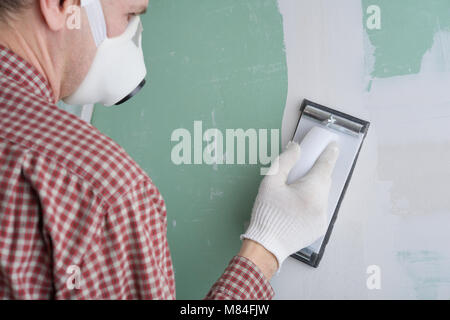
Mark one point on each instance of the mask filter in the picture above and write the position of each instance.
(118, 70)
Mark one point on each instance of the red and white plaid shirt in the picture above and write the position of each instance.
(76, 209)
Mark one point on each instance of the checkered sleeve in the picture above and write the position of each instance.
(242, 280)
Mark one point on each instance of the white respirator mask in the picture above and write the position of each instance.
(118, 70)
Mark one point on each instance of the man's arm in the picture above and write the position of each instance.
(247, 275)
(285, 218)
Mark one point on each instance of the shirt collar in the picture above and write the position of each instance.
(17, 69)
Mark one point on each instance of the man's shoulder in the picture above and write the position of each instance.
(69, 143)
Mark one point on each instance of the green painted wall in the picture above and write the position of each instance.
(407, 32)
(221, 62)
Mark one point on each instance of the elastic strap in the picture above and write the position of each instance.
(96, 19)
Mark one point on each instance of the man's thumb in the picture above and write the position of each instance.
(289, 158)
(324, 165)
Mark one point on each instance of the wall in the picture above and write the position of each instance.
(221, 62)
(397, 211)
(248, 64)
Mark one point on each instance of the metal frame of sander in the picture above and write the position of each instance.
(341, 123)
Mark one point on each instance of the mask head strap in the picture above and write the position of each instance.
(96, 19)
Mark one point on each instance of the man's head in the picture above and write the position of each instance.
(43, 32)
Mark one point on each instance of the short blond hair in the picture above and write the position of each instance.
(12, 6)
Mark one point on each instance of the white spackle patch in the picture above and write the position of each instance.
(397, 199)
(369, 60)
(437, 59)
(412, 113)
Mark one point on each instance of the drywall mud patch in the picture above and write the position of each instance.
(421, 186)
(428, 270)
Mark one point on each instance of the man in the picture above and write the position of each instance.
(73, 203)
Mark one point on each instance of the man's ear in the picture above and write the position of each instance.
(55, 12)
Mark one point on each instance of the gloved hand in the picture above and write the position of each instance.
(286, 218)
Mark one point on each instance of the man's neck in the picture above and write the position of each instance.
(31, 49)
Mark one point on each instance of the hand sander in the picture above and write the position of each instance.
(317, 127)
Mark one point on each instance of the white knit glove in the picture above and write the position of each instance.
(287, 218)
